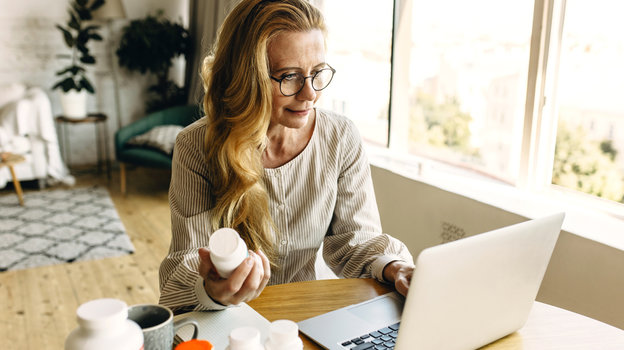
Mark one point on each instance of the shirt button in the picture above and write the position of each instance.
(281, 206)
(284, 242)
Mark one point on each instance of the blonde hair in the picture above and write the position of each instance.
(238, 104)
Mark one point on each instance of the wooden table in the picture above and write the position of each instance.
(9, 160)
(548, 327)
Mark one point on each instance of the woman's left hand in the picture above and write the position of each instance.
(399, 273)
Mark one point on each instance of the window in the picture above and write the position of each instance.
(527, 93)
(360, 47)
(590, 100)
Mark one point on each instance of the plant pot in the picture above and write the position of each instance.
(74, 104)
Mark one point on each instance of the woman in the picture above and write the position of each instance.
(264, 161)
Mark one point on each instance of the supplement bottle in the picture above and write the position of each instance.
(245, 338)
(283, 335)
(103, 324)
(227, 251)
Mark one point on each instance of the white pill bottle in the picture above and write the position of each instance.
(227, 251)
(103, 324)
(244, 338)
(283, 335)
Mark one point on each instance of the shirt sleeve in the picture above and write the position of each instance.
(355, 245)
(181, 287)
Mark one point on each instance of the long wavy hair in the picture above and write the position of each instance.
(238, 104)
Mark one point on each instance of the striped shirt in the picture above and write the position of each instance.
(323, 196)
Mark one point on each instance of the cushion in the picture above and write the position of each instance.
(160, 137)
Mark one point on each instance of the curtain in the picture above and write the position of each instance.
(205, 18)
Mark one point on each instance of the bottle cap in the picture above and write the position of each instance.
(283, 331)
(194, 344)
(102, 313)
(224, 242)
(244, 337)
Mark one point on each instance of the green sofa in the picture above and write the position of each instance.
(145, 156)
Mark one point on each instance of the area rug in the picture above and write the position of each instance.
(60, 226)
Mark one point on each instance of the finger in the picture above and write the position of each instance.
(266, 265)
(402, 286)
(205, 264)
(239, 275)
(249, 289)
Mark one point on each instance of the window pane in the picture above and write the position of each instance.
(467, 82)
(590, 96)
(359, 48)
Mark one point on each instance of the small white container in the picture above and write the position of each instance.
(283, 335)
(103, 324)
(245, 338)
(227, 251)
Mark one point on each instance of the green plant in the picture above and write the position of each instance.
(150, 45)
(76, 35)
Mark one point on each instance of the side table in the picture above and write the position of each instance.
(9, 160)
(101, 137)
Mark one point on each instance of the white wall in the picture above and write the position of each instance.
(29, 44)
(583, 276)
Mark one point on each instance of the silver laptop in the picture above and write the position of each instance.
(463, 295)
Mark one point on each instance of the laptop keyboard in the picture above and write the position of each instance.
(380, 339)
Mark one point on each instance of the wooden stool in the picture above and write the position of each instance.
(10, 159)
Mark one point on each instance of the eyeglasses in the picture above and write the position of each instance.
(291, 84)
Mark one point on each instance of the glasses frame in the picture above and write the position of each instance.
(279, 80)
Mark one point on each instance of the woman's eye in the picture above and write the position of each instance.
(289, 76)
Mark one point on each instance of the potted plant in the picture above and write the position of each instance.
(150, 45)
(73, 80)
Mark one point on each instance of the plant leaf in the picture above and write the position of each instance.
(87, 85)
(73, 22)
(95, 36)
(87, 59)
(96, 5)
(69, 39)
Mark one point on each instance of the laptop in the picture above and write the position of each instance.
(463, 295)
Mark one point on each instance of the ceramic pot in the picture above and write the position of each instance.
(74, 104)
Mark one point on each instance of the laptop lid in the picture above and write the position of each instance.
(473, 291)
(463, 294)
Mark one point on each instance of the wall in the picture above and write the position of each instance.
(583, 276)
(29, 45)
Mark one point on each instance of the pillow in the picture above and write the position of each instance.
(160, 137)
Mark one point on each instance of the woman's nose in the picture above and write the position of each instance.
(307, 93)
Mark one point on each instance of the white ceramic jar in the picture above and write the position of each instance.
(227, 251)
(283, 335)
(103, 324)
(245, 338)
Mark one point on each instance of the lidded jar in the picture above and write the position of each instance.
(245, 338)
(227, 251)
(103, 324)
(283, 335)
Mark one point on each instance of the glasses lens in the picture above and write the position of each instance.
(322, 79)
(291, 84)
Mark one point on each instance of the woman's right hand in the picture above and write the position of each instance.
(246, 282)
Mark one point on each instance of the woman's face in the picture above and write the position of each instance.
(295, 52)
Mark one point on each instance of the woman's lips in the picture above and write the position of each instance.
(299, 112)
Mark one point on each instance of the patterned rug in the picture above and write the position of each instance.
(60, 226)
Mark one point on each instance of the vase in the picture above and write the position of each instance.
(74, 104)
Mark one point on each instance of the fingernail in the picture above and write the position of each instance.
(250, 261)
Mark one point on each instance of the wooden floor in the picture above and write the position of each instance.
(38, 305)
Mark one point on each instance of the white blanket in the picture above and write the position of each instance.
(26, 120)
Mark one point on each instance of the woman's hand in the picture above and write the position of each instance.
(400, 274)
(246, 282)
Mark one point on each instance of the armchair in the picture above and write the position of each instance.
(146, 156)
